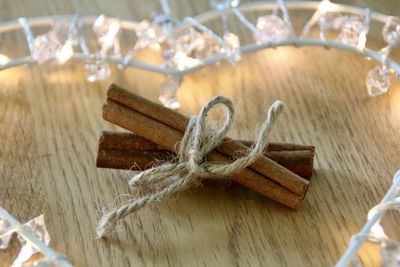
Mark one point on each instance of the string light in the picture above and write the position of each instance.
(33, 238)
(4, 59)
(186, 45)
(373, 231)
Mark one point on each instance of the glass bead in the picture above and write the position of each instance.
(351, 27)
(181, 61)
(191, 47)
(390, 252)
(97, 68)
(57, 43)
(351, 31)
(206, 47)
(233, 47)
(169, 90)
(46, 47)
(5, 240)
(378, 80)
(391, 30)
(150, 35)
(65, 53)
(4, 59)
(189, 41)
(38, 227)
(106, 30)
(272, 29)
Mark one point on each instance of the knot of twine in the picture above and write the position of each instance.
(191, 166)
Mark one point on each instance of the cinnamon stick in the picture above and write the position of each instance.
(229, 147)
(121, 150)
(169, 138)
(135, 160)
(131, 141)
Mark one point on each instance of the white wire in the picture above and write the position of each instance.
(244, 49)
(197, 21)
(25, 232)
(28, 34)
(247, 7)
(165, 7)
(356, 243)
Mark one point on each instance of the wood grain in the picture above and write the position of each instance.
(51, 117)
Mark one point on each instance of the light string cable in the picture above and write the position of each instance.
(14, 226)
(281, 34)
(372, 230)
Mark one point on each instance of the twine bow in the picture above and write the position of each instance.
(191, 167)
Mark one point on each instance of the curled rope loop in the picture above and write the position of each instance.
(190, 166)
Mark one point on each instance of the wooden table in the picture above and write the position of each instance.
(51, 117)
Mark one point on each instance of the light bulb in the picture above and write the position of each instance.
(182, 61)
(362, 39)
(4, 59)
(377, 231)
(325, 6)
(65, 53)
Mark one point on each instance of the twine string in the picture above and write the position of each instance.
(190, 166)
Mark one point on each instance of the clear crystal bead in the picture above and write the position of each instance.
(190, 49)
(378, 80)
(169, 91)
(189, 41)
(49, 46)
(65, 53)
(181, 61)
(150, 35)
(5, 240)
(351, 31)
(350, 27)
(46, 47)
(272, 29)
(38, 227)
(206, 47)
(390, 253)
(233, 47)
(97, 68)
(391, 30)
(4, 59)
(106, 30)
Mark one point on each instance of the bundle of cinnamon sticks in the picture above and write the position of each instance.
(155, 132)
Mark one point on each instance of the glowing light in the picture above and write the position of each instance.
(4, 59)
(65, 53)
(111, 34)
(183, 62)
(362, 39)
(326, 6)
(272, 29)
(378, 80)
(377, 231)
